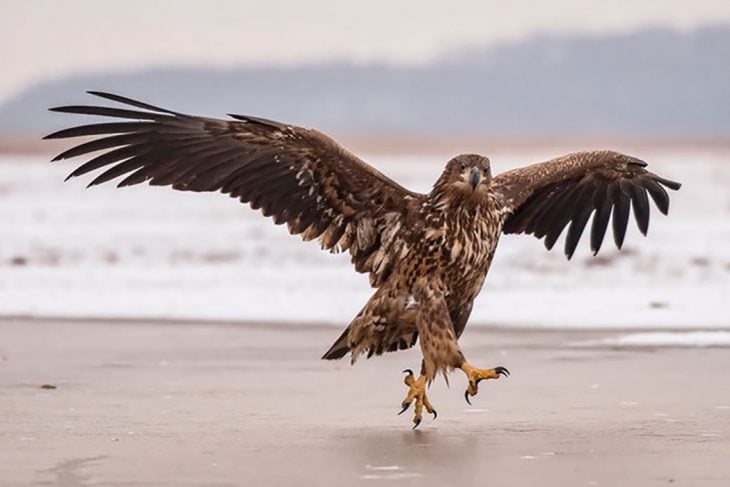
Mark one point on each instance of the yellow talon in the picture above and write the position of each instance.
(475, 375)
(417, 392)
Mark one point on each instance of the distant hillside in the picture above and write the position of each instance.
(650, 82)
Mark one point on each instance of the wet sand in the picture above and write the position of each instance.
(223, 404)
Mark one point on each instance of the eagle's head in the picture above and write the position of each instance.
(467, 174)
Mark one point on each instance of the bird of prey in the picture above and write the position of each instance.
(426, 255)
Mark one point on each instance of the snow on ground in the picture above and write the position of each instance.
(153, 252)
(715, 338)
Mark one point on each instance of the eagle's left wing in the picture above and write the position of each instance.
(542, 199)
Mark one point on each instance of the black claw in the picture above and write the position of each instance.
(435, 414)
(405, 408)
(502, 371)
(408, 371)
(416, 422)
(466, 396)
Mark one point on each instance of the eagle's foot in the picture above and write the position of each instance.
(417, 392)
(475, 375)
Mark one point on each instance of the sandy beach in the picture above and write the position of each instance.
(165, 403)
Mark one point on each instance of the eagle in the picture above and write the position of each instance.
(426, 255)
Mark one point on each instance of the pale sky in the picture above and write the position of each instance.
(41, 39)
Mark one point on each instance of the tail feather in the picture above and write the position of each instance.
(397, 339)
(340, 348)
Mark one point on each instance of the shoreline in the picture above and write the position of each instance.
(475, 327)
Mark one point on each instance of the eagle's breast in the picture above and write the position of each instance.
(470, 239)
(452, 243)
(473, 232)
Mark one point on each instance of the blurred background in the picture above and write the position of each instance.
(406, 85)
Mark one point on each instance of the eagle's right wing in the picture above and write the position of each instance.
(297, 176)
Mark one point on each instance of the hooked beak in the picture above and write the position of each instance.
(474, 178)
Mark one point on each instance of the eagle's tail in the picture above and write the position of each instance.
(397, 338)
(340, 348)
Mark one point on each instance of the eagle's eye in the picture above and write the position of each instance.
(463, 166)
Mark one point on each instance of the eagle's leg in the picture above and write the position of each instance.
(476, 375)
(438, 343)
(417, 392)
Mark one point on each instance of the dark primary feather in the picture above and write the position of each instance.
(109, 112)
(128, 101)
(294, 175)
(546, 198)
(620, 219)
(100, 129)
(600, 219)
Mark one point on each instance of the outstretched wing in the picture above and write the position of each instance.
(542, 199)
(295, 175)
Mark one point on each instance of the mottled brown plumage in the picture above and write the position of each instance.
(427, 255)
